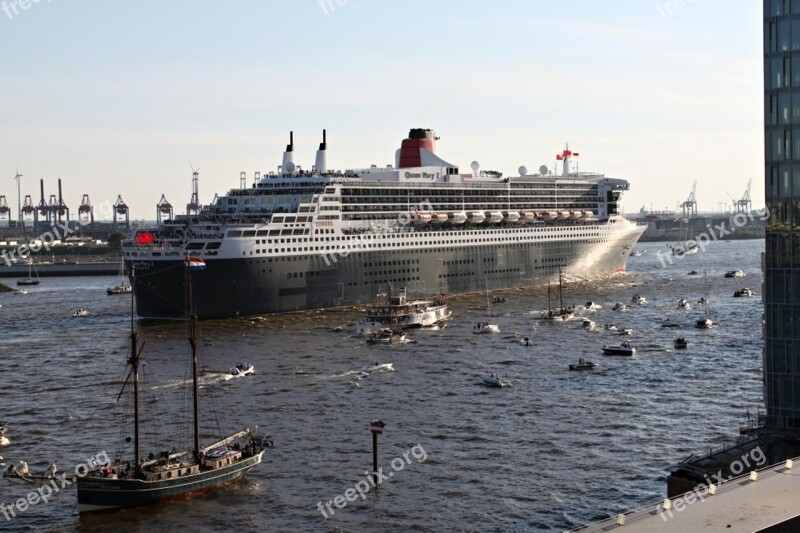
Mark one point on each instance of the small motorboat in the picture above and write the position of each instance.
(670, 324)
(683, 303)
(122, 288)
(499, 300)
(526, 341)
(680, 343)
(702, 300)
(624, 348)
(378, 367)
(591, 306)
(619, 306)
(734, 274)
(704, 323)
(588, 325)
(693, 272)
(80, 312)
(496, 382)
(484, 327)
(386, 336)
(584, 364)
(743, 293)
(242, 369)
(638, 300)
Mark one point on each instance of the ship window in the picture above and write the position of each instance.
(261, 233)
(234, 234)
(250, 233)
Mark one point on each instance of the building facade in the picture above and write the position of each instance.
(781, 363)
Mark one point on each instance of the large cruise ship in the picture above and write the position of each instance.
(309, 239)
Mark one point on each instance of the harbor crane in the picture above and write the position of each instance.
(163, 207)
(5, 211)
(86, 211)
(193, 207)
(121, 210)
(690, 205)
(744, 204)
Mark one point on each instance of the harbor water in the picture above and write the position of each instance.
(557, 450)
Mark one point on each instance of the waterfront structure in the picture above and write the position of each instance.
(308, 239)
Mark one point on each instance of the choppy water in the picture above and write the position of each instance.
(557, 450)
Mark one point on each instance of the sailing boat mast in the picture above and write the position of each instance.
(560, 290)
(193, 344)
(135, 369)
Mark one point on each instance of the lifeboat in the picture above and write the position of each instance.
(529, 216)
(564, 214)
(550, 215)
(439, 218)
(512, 216)
(459, 218)
(476, 217)
(587, 214)
(420, 219)
(576, 214)
(495, 217)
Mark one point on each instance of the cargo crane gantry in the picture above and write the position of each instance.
(745, 204)
(193, 207)
(121, 210)
(163, 207)
(689, 206)
(86, 211)
(5, 211)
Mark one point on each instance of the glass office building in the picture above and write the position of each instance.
(782, 185)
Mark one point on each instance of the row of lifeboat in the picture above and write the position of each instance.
(496, 217)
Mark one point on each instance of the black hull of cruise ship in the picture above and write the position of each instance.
(264, 285)
(104, 494)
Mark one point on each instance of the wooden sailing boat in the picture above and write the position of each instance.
(122, 287)
(176, 474)
(705, 321)
(561, 312)
(31, 280)
(486, 327)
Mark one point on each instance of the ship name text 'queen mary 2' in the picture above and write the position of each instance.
(300, 239)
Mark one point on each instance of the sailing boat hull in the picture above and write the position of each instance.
(97, 494)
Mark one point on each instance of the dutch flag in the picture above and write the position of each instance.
(196, 263)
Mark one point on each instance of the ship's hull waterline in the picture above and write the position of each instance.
(258, 286)
(101, 494)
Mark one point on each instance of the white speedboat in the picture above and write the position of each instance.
(526, 341)
(745, 292)
(638, 300)
(588, 325)
(242, 369)
(624, 348)
(378, 367)
(591, 306)
(683, 303)
(496, 382)
(484, 327)
(584, 364)
(387, 336)
(704, 323)
(619, 306)
(734, 274)
(80, 312)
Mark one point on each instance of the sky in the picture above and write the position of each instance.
(125, 98)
